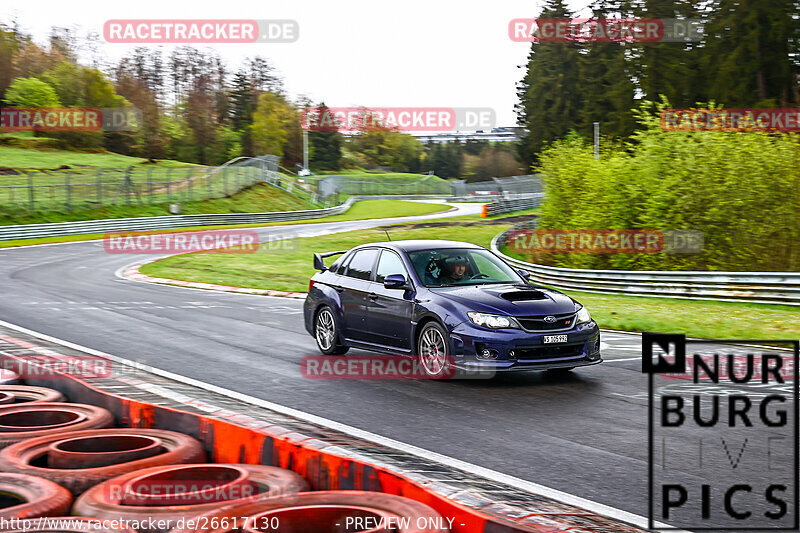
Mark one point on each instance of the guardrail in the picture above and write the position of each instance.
(59, 229)
(755, 287)
(506, 205)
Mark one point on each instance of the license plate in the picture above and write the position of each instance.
(548, 339)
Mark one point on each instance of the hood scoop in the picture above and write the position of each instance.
(524, 295)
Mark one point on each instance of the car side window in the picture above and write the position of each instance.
(334, 268)
(389, 263)
(360, 267)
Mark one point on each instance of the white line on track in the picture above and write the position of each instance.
(450, 462)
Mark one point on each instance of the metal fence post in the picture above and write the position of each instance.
(150, 184)
(189, 179)
(100, 186)
(30, 190)
(169, 184)
(69, 190)
(128, 185)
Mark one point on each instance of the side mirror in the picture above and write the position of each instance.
(395, 281)
(524, 273)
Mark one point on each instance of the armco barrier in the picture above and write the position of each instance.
(506, 205)
(231, 432)
(58, 229)
(756, 287)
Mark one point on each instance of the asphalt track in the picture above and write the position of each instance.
(584, 434)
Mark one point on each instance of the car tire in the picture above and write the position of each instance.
(26, 457)
(30, 394)
(28, 420)
(8, 377)
(326, 332)
(433, 350)
(107, 500)
(324, 511)
(34, 497)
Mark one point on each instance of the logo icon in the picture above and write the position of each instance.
(669, 351)
(550, 319)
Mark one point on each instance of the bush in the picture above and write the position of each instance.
(742, 190)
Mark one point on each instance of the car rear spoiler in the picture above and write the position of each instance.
(319, 265)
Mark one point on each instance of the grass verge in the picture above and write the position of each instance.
(289, 268)
(259, 198)
(24, 159)
(360, 211)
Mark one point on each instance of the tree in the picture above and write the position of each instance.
(150, 142)
(669, 69)
(9, 45)
(444, 159)
(293, 147)
(749, 53)
(493, 162)
(31, 92)
(202, 121)
(242, 101)
(607, 86)
(382, 146)
(325, 147)
(268, 132)
(549, 94)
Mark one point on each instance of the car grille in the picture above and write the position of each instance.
(528, 353)
(537, 323)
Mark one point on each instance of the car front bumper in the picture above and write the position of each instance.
(478, 349)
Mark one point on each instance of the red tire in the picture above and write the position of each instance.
(70, 524)
(31, 497)
(177, 448)
(107, 500)
(8, 377)
(83, 452)
(323, 512)
(24, 421)
(29, 393)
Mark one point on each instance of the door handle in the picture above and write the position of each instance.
(338, 289)
(372, 296)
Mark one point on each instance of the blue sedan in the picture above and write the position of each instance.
(445, 302)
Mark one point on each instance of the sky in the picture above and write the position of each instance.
(410, 53)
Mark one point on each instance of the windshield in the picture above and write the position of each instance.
(461, 266)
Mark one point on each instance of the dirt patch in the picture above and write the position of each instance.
(9, 172)
(491, 222)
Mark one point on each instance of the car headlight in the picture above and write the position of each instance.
(583, 316)
(491, 321)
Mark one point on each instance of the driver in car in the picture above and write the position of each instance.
(455, 270)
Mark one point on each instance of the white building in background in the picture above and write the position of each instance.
(496, 135)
